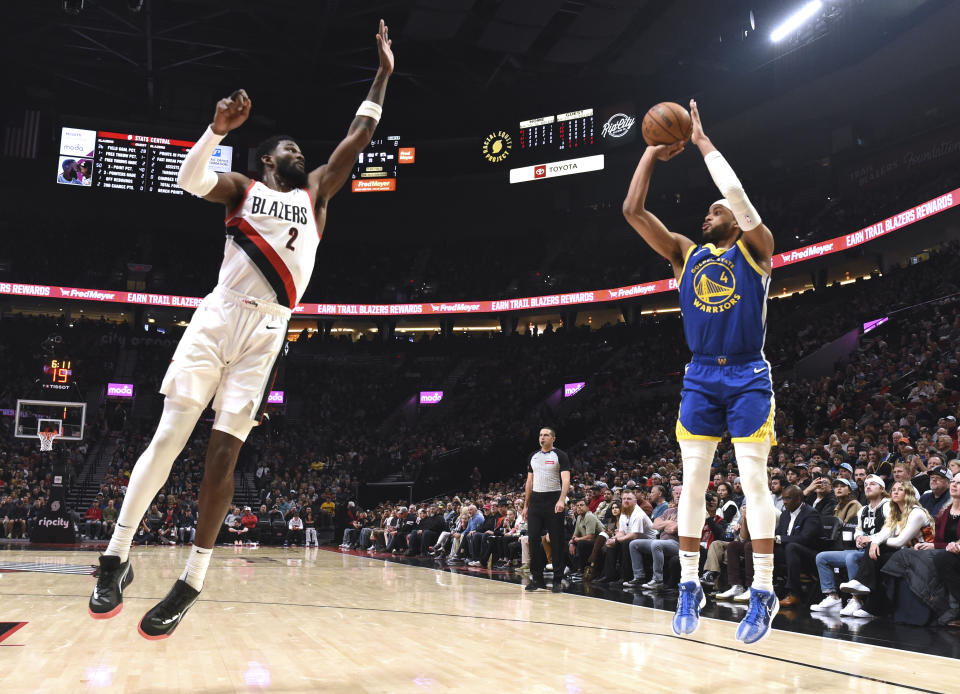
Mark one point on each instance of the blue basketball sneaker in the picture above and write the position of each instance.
(762, 609)
(689, 604)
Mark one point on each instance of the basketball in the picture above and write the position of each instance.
(666, 123)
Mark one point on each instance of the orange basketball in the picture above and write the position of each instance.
(666, 123)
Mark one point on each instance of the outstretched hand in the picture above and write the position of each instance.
(667, 152)
(384, 44)
(231, 112)
(697, 134)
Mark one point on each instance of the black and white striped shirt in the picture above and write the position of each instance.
(546, 469)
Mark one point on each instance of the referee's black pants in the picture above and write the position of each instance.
(542, 518)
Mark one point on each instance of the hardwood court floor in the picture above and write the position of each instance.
(276, 620)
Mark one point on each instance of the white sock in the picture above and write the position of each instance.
(151, 471)
(762, 571)
(120, 541)
(196, 569)
(689, 566)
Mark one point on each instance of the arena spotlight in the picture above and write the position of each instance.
(73, 7)
(134, 5)
(794, 21)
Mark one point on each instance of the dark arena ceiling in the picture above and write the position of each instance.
(462, 64)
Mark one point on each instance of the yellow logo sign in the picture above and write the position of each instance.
(497, 146)
(715, 284)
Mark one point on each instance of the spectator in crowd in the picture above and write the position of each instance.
(310, 526)
(93, 521)
(847, 504)
(738, 548)
(658, 500)
(603, 499)
(586, 528)
(109, 518)
(145, 533)
(633, 524)
(462, 538)
(819, 494)
(429, 531)
(405, 525)
(938, 494)
(237, 532)
(666, 546)
(870, 519)
(947, 560)
(295, 534)
(249, 521)
(777, 485)
(370, 536)
(860, 476)
(187, 523)
(796, 540)
(493, 546)
(906, 524)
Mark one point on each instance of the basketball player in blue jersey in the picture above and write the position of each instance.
(229, 351)
(727, 386)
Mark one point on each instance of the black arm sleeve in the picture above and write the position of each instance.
(564, 460)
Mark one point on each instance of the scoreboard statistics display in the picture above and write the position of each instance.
(565, 132)
(128, 161)
(560, 144)
(377, 165)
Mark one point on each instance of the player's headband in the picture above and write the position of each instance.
(724, 202)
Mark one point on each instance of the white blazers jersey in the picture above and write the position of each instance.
(271, 246)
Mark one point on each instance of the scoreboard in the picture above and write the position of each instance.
(58, 374)
(560, 144)
(128, 161)
(377, 165)
(565, 132)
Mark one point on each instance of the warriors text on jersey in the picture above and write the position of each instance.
(723, 297)
(727, 387)
(272, 240)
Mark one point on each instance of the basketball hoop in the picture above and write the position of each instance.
(46, 440)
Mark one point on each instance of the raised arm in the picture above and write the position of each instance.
(194, 176)
(326, 180)
(671, 246)
(756, 235)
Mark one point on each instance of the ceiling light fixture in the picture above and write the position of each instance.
(795, 20)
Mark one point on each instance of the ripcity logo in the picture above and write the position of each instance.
(618, 125)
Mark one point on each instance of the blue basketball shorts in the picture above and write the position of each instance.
(735, 398)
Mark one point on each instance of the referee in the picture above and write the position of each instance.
(548, 480)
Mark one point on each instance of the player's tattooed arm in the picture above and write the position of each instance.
(329, 178)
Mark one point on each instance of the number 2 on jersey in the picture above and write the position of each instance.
(293, 237)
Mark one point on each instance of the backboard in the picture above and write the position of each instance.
(67, 418)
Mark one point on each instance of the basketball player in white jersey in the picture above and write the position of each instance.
(229, 351)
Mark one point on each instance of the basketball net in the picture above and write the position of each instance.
(46, 440)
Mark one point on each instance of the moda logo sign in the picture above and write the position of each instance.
(120, 390)
(618, 125)
(275, 397)
(430, 397)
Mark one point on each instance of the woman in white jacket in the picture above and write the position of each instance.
(907, 524)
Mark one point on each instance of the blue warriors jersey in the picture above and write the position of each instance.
(727, 387)
(723, 297)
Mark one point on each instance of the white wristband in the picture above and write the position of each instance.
(731, 189)
(194, 176)
(370, 109)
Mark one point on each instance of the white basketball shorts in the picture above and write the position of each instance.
(229, 352)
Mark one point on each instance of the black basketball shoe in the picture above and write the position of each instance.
(107, 598)
(164, 617)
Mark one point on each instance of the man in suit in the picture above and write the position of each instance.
(796, 542)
